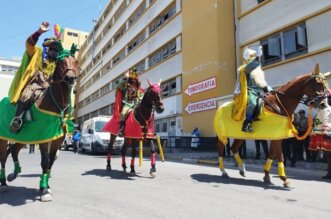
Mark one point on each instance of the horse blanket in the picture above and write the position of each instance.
(44, 127)
(270, 126)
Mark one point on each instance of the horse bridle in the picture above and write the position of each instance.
(317, 97)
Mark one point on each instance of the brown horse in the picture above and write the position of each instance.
(282, 102)
(55, 100)
(139, 126)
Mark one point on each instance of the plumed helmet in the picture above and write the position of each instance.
(249, 54)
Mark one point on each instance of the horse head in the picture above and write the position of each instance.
(67, 68)
(153, 92)
(316, 89)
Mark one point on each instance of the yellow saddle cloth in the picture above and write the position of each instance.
(270, 127)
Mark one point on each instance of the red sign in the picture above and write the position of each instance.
(201, 106)
(201, 86)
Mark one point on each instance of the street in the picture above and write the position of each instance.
(84, 189)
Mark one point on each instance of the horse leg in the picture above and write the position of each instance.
(152, 171)
(281, 167)
(267, 166)
(123, 154)
(14, 151)
(220, 149)
(110, 147)
(45, 164)
(133, 156)
(235, 148)
(3, 159)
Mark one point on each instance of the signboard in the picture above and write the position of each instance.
(201, 86)
(201, 106)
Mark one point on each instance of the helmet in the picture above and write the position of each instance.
(133, 73)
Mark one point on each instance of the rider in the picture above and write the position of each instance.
(132, 95)
(34, 75)
(255, 83)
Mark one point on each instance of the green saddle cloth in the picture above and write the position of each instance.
(44, 127)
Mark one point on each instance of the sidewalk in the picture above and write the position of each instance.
(210, 158)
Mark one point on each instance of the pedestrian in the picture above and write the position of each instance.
(195, 142)
(76, 139)
(321, 135)
(264, 144)
(302, 145)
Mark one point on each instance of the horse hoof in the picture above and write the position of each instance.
(286, 184)
(3, 187)
(108, 167)
(133, 173)
(46, 196)
(266, 179)
(152, 173)
(225, 176)
(11, 177)
(242, 173)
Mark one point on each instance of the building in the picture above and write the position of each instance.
(195, 47)
(182, 42)
(8, 67)
(71, 36)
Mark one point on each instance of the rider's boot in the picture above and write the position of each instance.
(17, 121)
(247, 126)
(121, 131)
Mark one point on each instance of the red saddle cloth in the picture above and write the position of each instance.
(132, 127)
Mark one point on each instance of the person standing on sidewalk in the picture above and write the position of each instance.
(321, 135)
(76, 139)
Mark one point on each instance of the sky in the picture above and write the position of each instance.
(20, 18)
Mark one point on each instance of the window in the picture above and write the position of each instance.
(72, 34)
(137, 13)
(118, 57)
(260, 1)
(105, 89)
(104, 111)
(162, 18)
(284, 45)
(136, 41)
(120, 33)
(169, 87)
(162, 53)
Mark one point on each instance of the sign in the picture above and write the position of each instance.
(201, 86)
(201, 106)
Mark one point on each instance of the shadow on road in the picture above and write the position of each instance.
(113, 174)
(29, 175)
(16, 196)
(206, 178)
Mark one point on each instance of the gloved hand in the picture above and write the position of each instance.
(43, 27)
(267, 89)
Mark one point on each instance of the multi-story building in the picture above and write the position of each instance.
(189, 44)
(71, 36)
(8, 67)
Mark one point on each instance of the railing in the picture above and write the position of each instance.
(185, 142)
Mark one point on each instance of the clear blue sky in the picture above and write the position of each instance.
(20, 18)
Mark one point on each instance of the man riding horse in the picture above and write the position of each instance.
(132, 94)
(34, 75)
(251, 83)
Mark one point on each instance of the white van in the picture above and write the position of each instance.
(96, 141)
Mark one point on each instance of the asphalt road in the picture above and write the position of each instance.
(84, 189)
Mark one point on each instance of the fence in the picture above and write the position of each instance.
(185, 142)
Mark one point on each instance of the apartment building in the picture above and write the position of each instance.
(71, 36)
(189, 44)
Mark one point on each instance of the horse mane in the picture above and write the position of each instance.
(286, 86)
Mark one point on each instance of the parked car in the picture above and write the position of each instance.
(94, 140)
(67, 143)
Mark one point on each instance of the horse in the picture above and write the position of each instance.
(310, 89)
(139, 126)
(55, 100)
